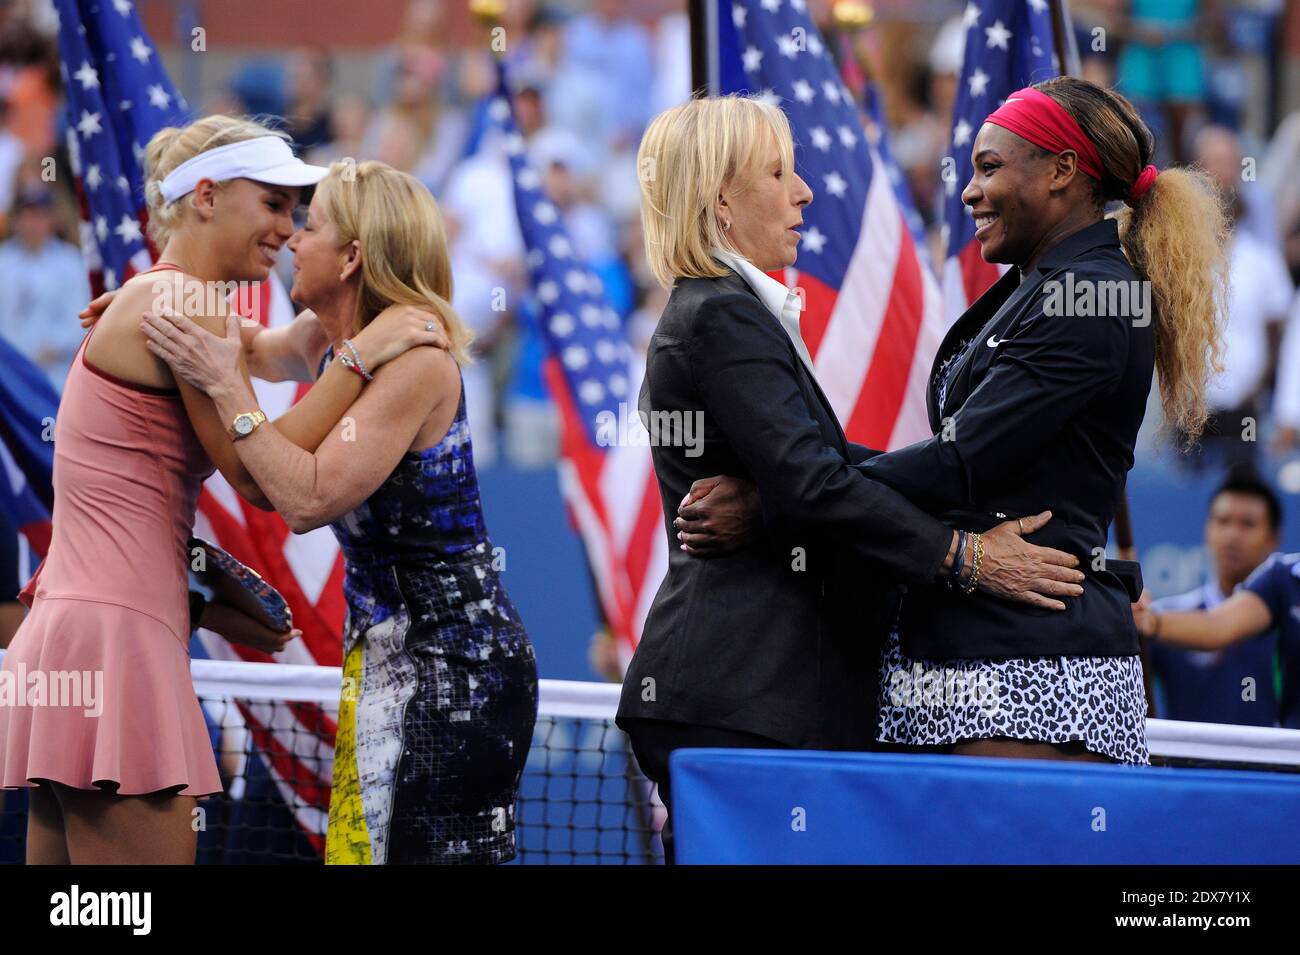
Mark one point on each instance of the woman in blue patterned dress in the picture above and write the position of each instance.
(439, 677)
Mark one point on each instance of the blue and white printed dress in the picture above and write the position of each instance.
(439, 676)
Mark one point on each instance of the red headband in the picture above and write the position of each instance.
(1033, 115)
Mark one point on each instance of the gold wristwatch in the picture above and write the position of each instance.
(245, 424)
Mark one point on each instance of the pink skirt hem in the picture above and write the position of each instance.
(93, 694)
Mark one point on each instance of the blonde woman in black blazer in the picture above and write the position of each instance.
(776, 643)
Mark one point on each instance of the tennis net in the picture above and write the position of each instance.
(582, 799)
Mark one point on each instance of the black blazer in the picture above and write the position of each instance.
(1042, 412)
(782, 638)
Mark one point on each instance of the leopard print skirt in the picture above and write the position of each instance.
(1099, 701)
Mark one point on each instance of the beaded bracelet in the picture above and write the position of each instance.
(977, 542)
(348, 363)
(958, 561)
(347, 342)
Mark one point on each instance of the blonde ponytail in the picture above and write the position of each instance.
(1175, 237)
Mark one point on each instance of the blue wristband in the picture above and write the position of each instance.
(960, 557)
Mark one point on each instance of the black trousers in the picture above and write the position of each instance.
(653, 742)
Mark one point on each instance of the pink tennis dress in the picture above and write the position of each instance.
(98, 676)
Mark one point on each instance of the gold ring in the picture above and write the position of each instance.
(1020, 524)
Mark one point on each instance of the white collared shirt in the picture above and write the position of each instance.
(782, 302)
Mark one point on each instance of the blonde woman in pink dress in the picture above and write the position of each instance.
(115, 775)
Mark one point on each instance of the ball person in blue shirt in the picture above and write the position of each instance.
(1270, 597)
(1242, 528)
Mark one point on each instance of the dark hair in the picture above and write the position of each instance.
(1249, 483)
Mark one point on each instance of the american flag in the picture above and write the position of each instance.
(607, 479)
(28, 403)
(871, 318)
(882, 155)
(1009, 45)
(118, 96)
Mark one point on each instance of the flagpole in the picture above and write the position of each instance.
(1067, 50)
(699, 45)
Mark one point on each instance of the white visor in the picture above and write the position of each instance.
(264, 159)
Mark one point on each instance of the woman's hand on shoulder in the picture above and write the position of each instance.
(97, 307)
(395, 331)
(426, 373)
(204, 360)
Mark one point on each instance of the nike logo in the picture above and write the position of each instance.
(994, 341)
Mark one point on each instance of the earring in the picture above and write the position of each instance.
(726, 226)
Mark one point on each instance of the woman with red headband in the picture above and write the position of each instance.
(1035, 398)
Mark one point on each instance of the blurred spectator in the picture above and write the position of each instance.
(428, 94)
(12, 149)
(1277, 174)
(349, 116)
(1286, 395)
(418, 47)
(45, 286)
(420, 132)
(1209, 686)
(1260, 296)
(310, 81)
(575, 96)
(393, 138)
(672, 72)
(30, 60)
(1218, 151)
(945, 58)
(259, 88)
(616, 48)
(487, 262)
(1162, 65)
(567, 166)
